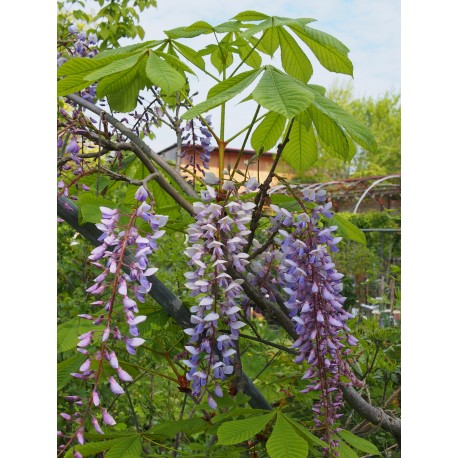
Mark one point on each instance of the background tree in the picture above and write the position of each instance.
(382, 115)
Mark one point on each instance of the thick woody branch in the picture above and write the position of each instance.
(266, 306)
(137, 141)
(161, 180)
(374, 414)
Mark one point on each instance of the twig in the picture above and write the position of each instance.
(262, 193)
(267, 365)
(141, 145)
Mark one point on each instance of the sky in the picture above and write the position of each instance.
(370, 29)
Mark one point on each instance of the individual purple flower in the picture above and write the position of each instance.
(73, 29)
(141, 194)
(252, 184)
(124, 376)
(115, 387)
(92, 39)
(107, 418)
(80, 436)
(72, 147)
(96, 425)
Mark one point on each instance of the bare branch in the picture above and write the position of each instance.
(138, 142)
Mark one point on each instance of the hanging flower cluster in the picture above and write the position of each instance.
(126, 287)
(80, 45)
(197, 145)
(218, 238)
(313, 288)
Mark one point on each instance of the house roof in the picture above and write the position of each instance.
(249, 152)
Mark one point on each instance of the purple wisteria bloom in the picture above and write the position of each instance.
(313, 288)
(197, 147)
(127, 283)
(217, 238)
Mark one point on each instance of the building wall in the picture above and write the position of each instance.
(258, 168)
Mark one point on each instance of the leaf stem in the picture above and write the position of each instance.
(250, 127)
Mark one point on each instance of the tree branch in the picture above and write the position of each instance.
(374, 414)
(138, 142)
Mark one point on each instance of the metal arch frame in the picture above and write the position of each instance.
(375, 183)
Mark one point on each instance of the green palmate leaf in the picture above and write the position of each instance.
(348, 230)
(176, 63)
(269, 42)
(190, 54)
(293, 59)
(284, 442)
(223, 92)
(103, 438)
(358, 442)
(329, 132)
(122, 89)
(222, 57)
(128, 447)
(194, 30)
(164, 75)
(230, 26)
(66, 367)
(207, 50)
(345, 451)
(250, 56)
(281, 93)
(128, 49)
(234, 432)
(190, 426)
(304, 119)
(356, 129)
(351, 150)
(275, 22)
(71, 84)
(89, 208)
(305, 433)
(268, 132)
(301, 151)
(68, 332)
(264, 25)
(115, 67)
(330, 52)
(233, 85)
(85, 65)
(250, 15)
(92, 448)
(236, 412)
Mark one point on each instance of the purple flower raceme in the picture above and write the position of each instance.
(197, 147)
(216, 238)
(127, 288)
(313, 288)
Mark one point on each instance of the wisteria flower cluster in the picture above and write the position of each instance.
(313, 288)
(81, 46)
(196, 145)
(128, 287)
(217, 238)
